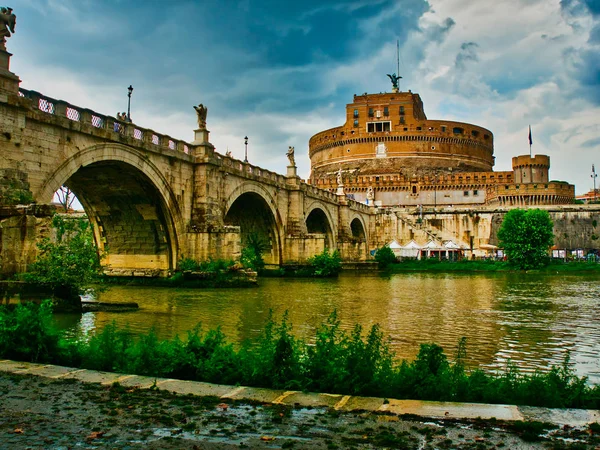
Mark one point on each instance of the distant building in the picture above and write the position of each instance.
(590, 196)
(388, 143)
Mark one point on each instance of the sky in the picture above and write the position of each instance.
(280, 71)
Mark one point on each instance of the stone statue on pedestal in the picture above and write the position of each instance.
(339, 177)
(201, 111)
(290, 155)
(370, 194)
(8, 22)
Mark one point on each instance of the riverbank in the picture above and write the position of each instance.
(435, 265)
(54, 407)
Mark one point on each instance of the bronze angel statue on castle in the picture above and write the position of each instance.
(8, 22)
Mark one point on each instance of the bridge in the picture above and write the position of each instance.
(153, 199)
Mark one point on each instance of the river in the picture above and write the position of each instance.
(531, 320)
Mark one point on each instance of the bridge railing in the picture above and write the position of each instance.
(249, 169)
(86, 116)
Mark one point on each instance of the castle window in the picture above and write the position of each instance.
(486, 136)
(355, 113)
(405, 129)
(378, 113)
(458, 130)
(475, 133)
(506, 187)
(402, 110)
(371, 112)
(419, 128)
(386, 111)
(402, 119)
(378, 126)
(355, 122)
(443, 128)
(475, 192)
(466, 193)
(414, 189)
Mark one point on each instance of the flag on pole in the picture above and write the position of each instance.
(530, 140)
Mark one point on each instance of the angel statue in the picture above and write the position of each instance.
(7, 25)
(290, 155)
(395, 78)
(370, 194)
(339, 177)
(202, 111)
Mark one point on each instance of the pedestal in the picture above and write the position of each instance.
(200, 136)
(340, 190)
(291, 172)
(9, 82)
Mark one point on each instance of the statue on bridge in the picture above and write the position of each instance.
(201, 111)
(7, 25)
(290, 155)
(339, 177)
(370, 195)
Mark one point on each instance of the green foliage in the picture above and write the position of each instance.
(186, 264)
(255, 246)
(334, 360)
(27, 334)
(71, 260)
(526, 236)
(16, 194)
(385, 256)
(326, 264)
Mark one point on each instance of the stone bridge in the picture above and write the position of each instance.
(153, 199)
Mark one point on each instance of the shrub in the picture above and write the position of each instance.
(70, 261)
(326, 264)
(385, 256)
(27, 334)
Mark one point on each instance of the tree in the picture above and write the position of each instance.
(65, 197)
(385, 256)
(526, 236)
(69, 263)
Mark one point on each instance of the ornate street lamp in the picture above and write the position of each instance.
(129, 91)
(246, 150)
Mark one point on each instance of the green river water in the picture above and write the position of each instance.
(532, 320)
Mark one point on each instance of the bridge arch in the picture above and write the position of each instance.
(319, 220)
(358, 228)
(252, 207)
(129, 203)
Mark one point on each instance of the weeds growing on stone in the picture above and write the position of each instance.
(353, 363)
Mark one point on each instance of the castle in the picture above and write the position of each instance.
(390, 154)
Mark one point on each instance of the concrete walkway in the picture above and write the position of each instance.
(436, 410)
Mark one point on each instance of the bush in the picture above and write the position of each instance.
(255, 246)
(326, 264)
(71, 261)
(385, 256)
(27, 334)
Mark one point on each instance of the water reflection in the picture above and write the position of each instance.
(531, 319)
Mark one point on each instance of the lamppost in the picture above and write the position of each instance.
(129, 91)
(594, 175)
(246, 149)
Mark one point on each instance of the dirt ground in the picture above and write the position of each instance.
(41, 413)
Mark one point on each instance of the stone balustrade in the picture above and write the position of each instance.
(86, 116)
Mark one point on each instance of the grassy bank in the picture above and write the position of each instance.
(332, 361)
(435, 265)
